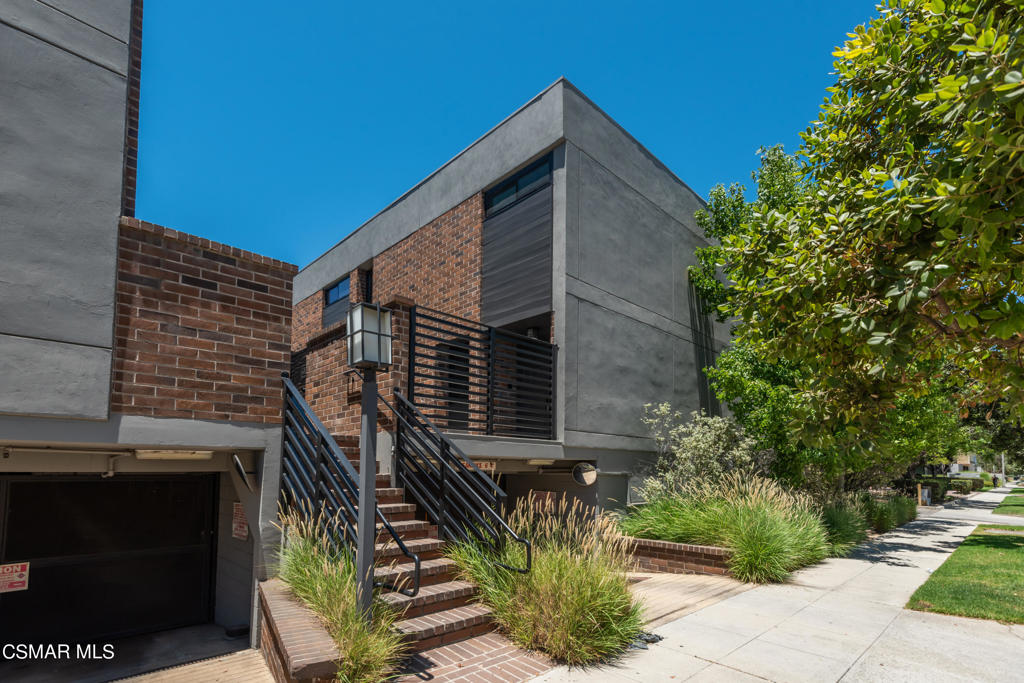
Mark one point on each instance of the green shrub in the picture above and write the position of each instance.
(702, 446)
(575, 603)
(938, 485)
(963, 486)
(846, 526)
(904, 509)
(888, 513)
(771, 531)
(326, 582)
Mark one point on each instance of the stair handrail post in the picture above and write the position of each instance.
(366, 526)
(442, 503)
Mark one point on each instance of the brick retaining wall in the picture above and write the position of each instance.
(680, 558)
(293, 641)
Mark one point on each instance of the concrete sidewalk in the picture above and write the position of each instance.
(842, 619)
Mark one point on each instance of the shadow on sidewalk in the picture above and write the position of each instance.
(885, 548)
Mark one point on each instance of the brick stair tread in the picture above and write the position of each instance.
(438, 565)
(394, 507)
(383, 491)
(447, 621)
(428, 595)
(390, 549)
(406, 525)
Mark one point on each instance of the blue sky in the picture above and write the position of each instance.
(282, 131)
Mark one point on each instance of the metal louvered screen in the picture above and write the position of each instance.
(468, 377)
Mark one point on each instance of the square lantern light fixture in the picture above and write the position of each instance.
(369, 336)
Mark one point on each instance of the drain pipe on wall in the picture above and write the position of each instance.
(110, 465)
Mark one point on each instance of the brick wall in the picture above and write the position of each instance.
(438, 266)
(680, 558)
(202, 329)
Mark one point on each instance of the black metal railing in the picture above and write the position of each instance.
(464, 503)
(468, 377)
(319, 483)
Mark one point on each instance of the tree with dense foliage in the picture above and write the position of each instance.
(728, 213)
(909, 250)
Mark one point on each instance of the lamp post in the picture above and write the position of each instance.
(369, 349)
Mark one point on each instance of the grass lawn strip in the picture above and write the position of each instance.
(1011, 505)
(983, 578)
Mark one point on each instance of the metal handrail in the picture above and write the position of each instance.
(306, 466)
(457, 487)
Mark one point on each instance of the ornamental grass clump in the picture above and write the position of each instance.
(575, 604)
(769, 529)
(326, 582)
(846, 525)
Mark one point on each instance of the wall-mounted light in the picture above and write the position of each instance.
(369, 336)
(173, 455)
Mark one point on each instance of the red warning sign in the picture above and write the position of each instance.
(13, 577)
(239, 524)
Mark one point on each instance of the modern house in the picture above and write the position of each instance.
(140, 391)
(539, 287)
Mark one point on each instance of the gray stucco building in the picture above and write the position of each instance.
(558, 224)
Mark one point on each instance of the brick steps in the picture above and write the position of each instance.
(443, 611)
(433, 571)
(430, 599)
(448, 626)
(425, 548)
(396, 512)
(408, 529)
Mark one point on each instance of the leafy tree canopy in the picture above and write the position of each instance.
(909, 248)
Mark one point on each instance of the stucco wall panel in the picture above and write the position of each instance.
(622, 366)
(40, 377)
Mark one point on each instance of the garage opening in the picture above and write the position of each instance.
(108, 557)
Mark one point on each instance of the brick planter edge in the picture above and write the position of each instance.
(679, 558)
(293, 640)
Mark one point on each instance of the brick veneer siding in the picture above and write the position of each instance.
(202, 329)
(680, 558)
(438, 266)
(293, 641)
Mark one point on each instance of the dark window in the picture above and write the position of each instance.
(520, 186)
(336, 293)
(336, 302)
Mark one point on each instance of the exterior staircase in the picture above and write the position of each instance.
(442, 611)
(434, 484)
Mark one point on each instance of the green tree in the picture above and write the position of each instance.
(728, 213)
(909, 251)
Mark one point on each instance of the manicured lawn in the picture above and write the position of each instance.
(1011, 505)
(984, 578)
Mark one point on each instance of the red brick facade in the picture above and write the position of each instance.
(438, 266)
(202, 329)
